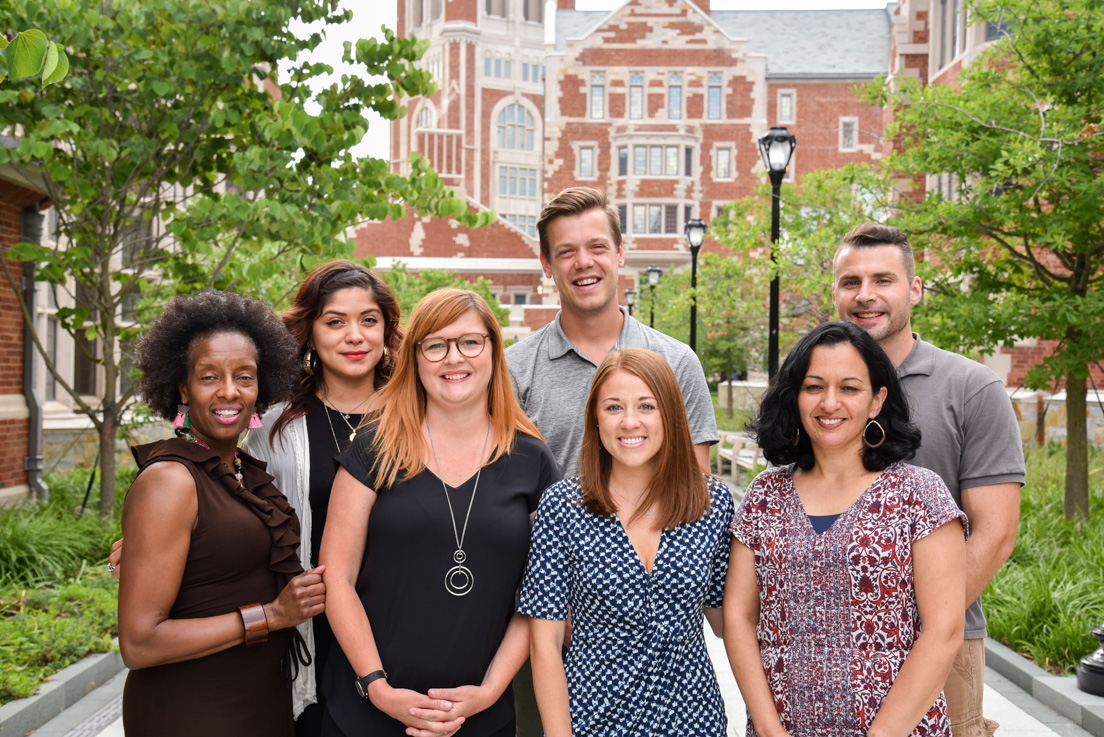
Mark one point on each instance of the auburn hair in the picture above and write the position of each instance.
(678, 491)
(315, 291)
(401, 403)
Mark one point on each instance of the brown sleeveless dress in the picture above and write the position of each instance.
(243, 550)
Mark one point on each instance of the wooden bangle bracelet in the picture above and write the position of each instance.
(256, 624)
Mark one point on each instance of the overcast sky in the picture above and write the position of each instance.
(369, 15)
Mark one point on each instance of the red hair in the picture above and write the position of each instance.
(678, 491)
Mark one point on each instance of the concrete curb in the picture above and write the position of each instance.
(1060, 693)
(65, 688)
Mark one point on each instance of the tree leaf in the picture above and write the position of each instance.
(26, 54)
(60, 71)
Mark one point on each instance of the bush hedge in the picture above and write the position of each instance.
(1049, 595)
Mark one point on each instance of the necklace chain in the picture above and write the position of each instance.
(344, 416)
(459, 580)
(622, 497)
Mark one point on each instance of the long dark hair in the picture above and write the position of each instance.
(322, 282)
(778, 421)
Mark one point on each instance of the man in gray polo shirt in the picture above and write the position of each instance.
(580, 249)
(580, 244)
(969, 433)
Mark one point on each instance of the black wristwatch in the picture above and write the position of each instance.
(363, 682)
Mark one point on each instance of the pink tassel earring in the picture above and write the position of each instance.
(180, 420)
(254, 421)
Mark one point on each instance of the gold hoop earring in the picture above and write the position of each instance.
(866, 442)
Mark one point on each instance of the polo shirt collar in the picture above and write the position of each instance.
(920, 360)
(559, 345)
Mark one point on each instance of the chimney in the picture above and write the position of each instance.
(566, 4)
(703, 5)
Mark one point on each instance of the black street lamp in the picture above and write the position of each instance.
(777, 148)
(653, 273)
(630, 299)
(695, 234)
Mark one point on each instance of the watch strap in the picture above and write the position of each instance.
(363, 682)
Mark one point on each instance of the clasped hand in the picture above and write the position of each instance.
(439, 713)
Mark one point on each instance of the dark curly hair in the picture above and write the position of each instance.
(187, 319)
(778, 420)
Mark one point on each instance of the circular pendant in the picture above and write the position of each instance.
(458, 580)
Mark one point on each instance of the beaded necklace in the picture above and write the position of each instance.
(203, 444)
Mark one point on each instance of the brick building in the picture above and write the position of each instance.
(659, 102)
(932, 40)
(21, 196)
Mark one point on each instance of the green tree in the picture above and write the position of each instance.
(188, 150)
(734, 284)
(1018, 235)
(410, 288)
(31, 54)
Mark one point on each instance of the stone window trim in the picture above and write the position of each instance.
(676, 98)
(786, 109)
(597, 103)
(586, 158)
(724, 162)
(715, 96)
(849, 133)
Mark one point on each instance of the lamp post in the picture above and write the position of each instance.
(695, 234)
(776, 147)
(653, 273)
(630, 299)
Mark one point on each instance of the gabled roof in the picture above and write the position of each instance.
(814, 43)
(797, 43)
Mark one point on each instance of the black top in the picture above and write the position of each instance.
(325, 438)
(427, 637)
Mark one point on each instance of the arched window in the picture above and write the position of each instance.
(427, 118)
(515, 128)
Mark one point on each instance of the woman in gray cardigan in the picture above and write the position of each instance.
(346, 322)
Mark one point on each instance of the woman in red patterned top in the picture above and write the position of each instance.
(845, 598)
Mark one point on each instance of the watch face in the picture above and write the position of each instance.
(360, 689)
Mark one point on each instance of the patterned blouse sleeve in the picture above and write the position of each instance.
(544, 588)
(722, 500)
(931, 504)
(745, 523)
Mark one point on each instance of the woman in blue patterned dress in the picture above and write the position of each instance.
(636, 548)
(845, 599)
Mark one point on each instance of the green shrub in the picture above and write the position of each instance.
(46, 629)
(1048, 596)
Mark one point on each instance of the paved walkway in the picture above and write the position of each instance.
(1020, 715)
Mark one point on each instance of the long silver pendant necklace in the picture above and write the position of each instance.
(459, 579)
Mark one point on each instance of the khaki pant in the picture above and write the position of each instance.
(964, 689)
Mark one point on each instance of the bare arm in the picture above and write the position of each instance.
(715, 617)
(343, 544)
(158, 517)
(549, 681)
(741, 617)
(994, 513)
(701, 452)
(940, 581)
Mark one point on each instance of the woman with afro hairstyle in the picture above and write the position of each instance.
(345, 322)
(845, 598)
(211, 586)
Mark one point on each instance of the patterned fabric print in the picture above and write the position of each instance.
(838, 613)
(637, 664)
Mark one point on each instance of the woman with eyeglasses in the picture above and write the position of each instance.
(427, 535)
